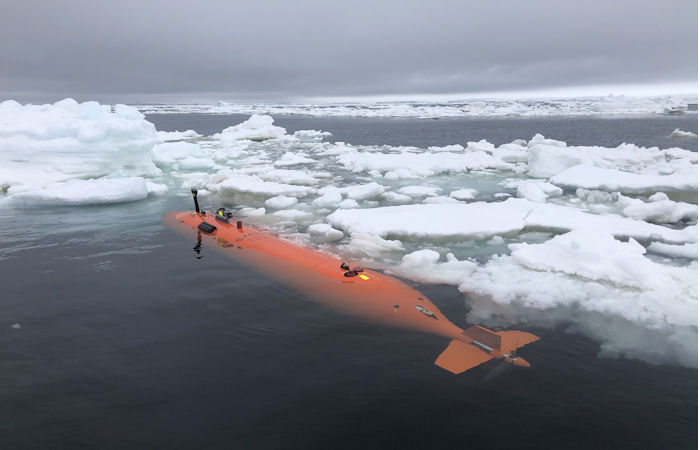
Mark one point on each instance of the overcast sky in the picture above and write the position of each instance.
(256, 50)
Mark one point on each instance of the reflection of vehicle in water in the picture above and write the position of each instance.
(365, 293)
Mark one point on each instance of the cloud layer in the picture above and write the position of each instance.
(264, 50)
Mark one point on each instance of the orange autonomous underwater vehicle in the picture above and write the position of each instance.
(366, 293)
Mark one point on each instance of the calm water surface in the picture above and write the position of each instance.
(129, 341)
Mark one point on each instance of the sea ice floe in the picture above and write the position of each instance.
(590, 177)
(417, 165)
(689, 250)
(440, 199)
(293, 214)
(371, 245)
(281, 202)
(481, 220)
(171, 152)
(168, 136)
(536, 190)
(464, 194)
(256, 128)
(363, 191)
(329, 196)
(45, 144)
(88, 192)
(322, 232)
(255, 185)
(424, 266)
(311, 135)
(191, 163)
(455, 148)
(419, 191)
(590, 274)
(658, 210)
(683, 134)
(293, 159)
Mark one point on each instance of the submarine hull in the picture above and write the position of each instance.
(364, 293)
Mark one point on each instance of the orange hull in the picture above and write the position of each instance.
(369, 294)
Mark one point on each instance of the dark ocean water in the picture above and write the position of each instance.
(650, 131)
(129, 341)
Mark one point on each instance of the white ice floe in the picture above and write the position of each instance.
(496, 240)
(169, 136)
(44, 144)
(288, 176)
(311, 135)
(256, 128)
(281, 202)
(170, 153)
(590, 177)
(322, 232)
(440, 199)
(329, 196)
(587, 275)
(536, 190)
(464, 194)
(293, 159)
(293, 214)
(424, 266)
(88, 192)
(395, 198)
(348, 203)
(255, 185)
(456, 148)
(683, 134)
(658, 210)
(689, 250)
(156, 189)
(363, 191)
(420, 191)
(407, 164)
(482, 220)
(370, 245)
(252, 212)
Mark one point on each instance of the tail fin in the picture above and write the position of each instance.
(459, 357)
(484, 336)
(510, 340)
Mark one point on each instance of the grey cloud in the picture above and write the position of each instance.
(278, 50)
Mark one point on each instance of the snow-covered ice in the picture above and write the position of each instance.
(682, 134)
(41, 145)
(88, 192)
(482, 220)
(590, 177)
(256, 128)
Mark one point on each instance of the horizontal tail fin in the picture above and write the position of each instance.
(459, 357)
